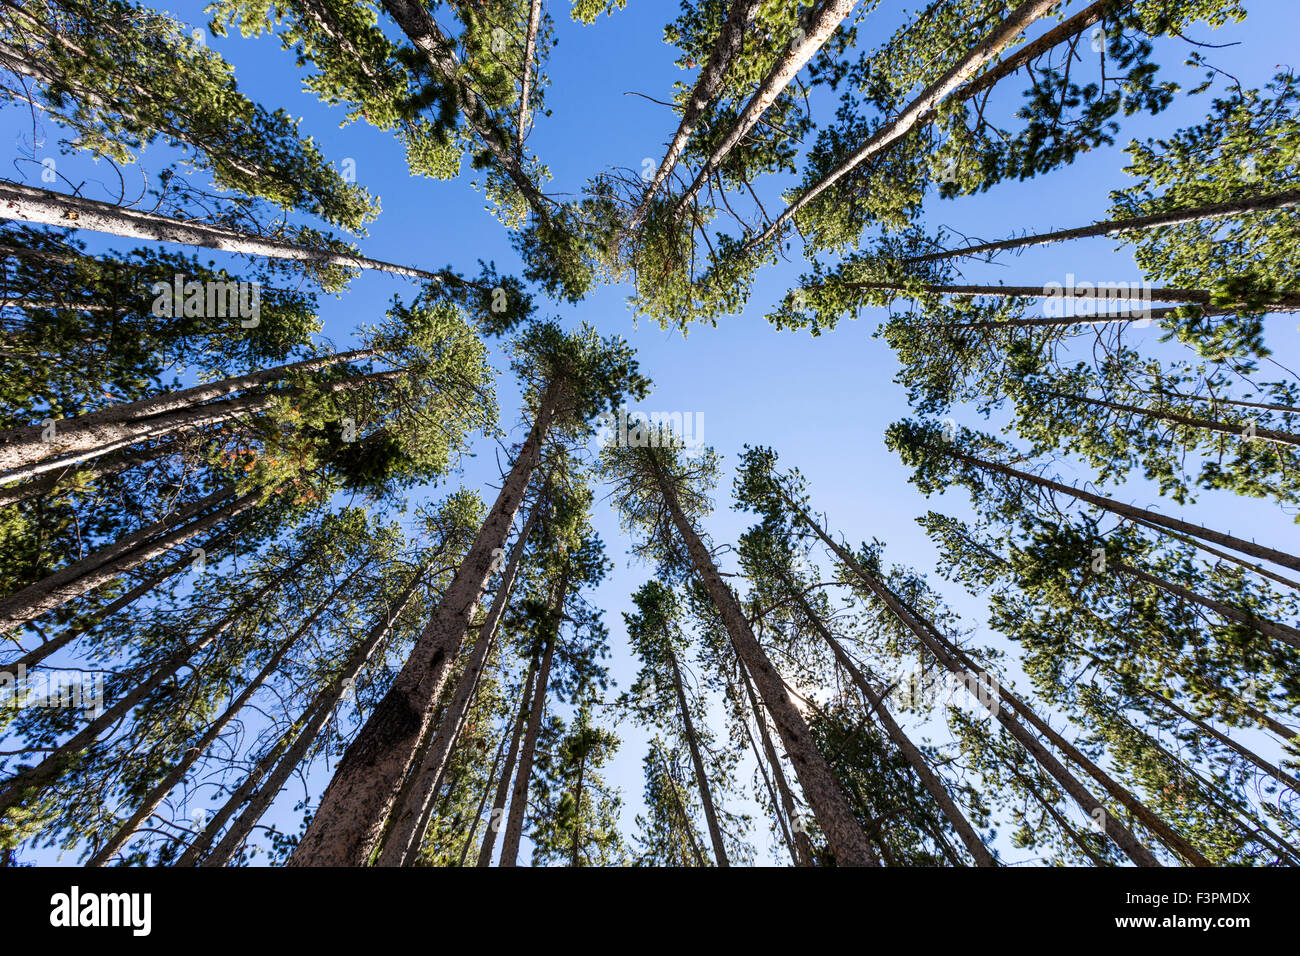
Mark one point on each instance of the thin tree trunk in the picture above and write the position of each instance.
(915, 759)
(802, 848)
(1203, 297)
(1280, 632)
(1128, 511)
(28, 204)
(214, 730)
(314, 718)
(26, 444)
(355, 806)
(1075, 837)
(826, 17)
(921, 110)
(701, 778)
(526, 84)
(730, 38)
(821, 788)
(1191, 421)
(955, 661)
(487, 792)
(575, 853)
(115, 464)
(507, 772)
(141, 547)
(763, 759)
(415, 805)
(23, 782)
(1115, 227)
(413, 17)
(519, 792)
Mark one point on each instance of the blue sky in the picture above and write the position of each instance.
(823, 403)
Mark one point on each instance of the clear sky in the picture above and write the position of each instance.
(823, 403)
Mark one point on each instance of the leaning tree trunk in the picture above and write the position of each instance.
(27, 444)
(920, 111)
(413, 809)
(28, 204)
(26, 781)
(319, 711)
(214, 730)
(1116, 227)
(1128, 511)
(843, 833)
(701, 778)
(132, 551)
(350, 820)
(915, 759)
(523, 776)
(507, 771)
(825, 21)
(800, 853)
(963, 668)
(11, 494)
(730, 38)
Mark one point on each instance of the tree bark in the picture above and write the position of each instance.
(28, 204)
(701, 778)
(355, 806)
(314, 718)
(414, 806)
(507, 772)
(843, 833)
(921, 110)
(519, 792)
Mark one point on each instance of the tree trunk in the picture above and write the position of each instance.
(28, 204)
(415, 804)
(575, 853)
(821, 788)
(23, 782)
(214, 730)
(12, 494)
(1279, 632)
(104, 565)
(701, 778)
(314, 718)
(507, 772)
(730, 39)
(487, 792)
(956, 661)
(355, 806)
(764, 759)
(22, 446)
(1116, 227)
(519, 792)
(826, 18)
(915, 759)
(921, 110)
(1191, 421)
(526, 83)
(1128, 511)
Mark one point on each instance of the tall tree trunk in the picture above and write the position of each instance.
(1204, 297)
(130, 552)
(72, 632)
(1128, 511)
(313, 719)
(24, 445)
(1117, 227)
(507, 772)
(782, 803)
(1279, 632)
(414, 806)
(921, 110)
(115, 464)
(49, 208)
(414, 19)
(487, 792)
(526, 82)
(824, 21)
(1074, 835)
(915, 759)
(25, 781)
(523, 776)
(350, 821)
(575, 852)
(730, 39)
(701, 777)
(951, 657)
(821, 788)
(214, 730)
